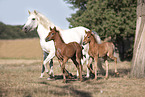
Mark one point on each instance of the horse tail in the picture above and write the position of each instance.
(113, 47)
(79, 49)
(97, 37)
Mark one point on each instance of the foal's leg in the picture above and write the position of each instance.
(78, 64)
(96, 68)
(63, 68)
(90, 61)
(107, 66)
(66, 72)
(115, 59)
(79, 67)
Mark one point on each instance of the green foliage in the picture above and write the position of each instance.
(115, 18)
(77, 3)
(14, 32)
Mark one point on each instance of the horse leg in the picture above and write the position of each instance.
(96, 68)
(48, 59)
(115, 59)
(78, 65)
(88, 71)
(90, 62)
(66, 72)
(43, 68)
(63, 68)
(86, 58)
(107, 66)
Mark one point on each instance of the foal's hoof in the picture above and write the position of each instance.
(64, 81)
(81, 80)
(116, 74)
(41, 77)
(106, 78)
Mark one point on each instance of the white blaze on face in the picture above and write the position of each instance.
(31, 23)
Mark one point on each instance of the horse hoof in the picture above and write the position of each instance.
(81, 80)
(106, 78)
(87, 76)
(116, 74)
(41, 77)
(64, 81)
(49, 78)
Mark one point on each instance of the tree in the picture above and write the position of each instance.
(115, 18)
(14, 32)
(138, 62)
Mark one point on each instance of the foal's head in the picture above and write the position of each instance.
(88, 37)
(51, 34)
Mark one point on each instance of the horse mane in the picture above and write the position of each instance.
(96, 36)
(45, 21)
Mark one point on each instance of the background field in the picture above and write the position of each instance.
(21, 48)
(20, 67)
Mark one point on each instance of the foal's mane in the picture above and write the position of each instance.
(57, 31)
(94, 35)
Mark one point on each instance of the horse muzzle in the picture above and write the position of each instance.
(25, 29)
(84, 43)
(47, 39)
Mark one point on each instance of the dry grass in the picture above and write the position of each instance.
(20, 48)
(22, 80)
(20, 67)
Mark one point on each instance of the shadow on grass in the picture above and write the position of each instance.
(122, 72)
(3, 92)
(67, 89)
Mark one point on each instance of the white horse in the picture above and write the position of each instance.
(39, 21)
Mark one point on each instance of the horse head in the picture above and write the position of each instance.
(32, 21)
(87, 37)
(51, 34)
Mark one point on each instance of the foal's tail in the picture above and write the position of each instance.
(114, 53)
(79, 49)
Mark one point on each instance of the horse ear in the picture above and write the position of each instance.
(54, 28)
(29, 12)
(50, 28)
(90, 31)
(35, 12)
(86, 32)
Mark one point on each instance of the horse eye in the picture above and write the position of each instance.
(88, 36)
(52, 33)
(33, 19)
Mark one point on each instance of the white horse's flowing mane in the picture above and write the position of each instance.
(44, 20)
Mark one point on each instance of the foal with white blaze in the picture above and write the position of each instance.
(39, 21)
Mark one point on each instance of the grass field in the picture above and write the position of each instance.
(19, 77)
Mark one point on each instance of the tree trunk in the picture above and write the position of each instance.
(138, 62)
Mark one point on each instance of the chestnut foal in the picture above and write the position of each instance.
(99, 50)
(64, 51)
